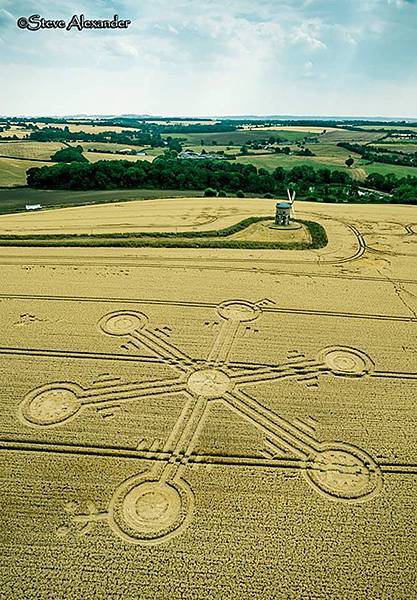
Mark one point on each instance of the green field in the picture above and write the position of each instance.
(87, 128)
(408, 147)
(359, 170)
(384, 169)
(345, 135)
(13, 171)
(332, 152)
(327, 153)
(154, 151)
(390, 127)
(272, 161)
(231, 150)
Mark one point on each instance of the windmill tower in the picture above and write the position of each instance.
(285, 210)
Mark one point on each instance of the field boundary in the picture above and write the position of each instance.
(202, 459)
(185, 239)
(42, 160)
(189, 304)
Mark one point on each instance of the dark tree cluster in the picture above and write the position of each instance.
(382, 155)
(167, 172)
(403, 189)
(223, 127)
(171, 173)
(163, 173)
(132, 137)
(69, 155)
(304, 152)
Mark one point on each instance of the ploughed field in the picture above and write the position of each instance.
(211, 423)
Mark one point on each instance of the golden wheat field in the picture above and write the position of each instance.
(96, 156)
(80, 126)
(19, 132)
(210, 423)
(166, 215)
(33, 150)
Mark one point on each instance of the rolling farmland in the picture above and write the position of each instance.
(240, 136)
(16, 157)
(322, 142)
(29, 150)
(88, 128)
(13, 171)
(19, 132)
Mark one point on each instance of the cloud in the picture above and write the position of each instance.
(6, 19)
(401, 3)
(212, 55)
(308, 32)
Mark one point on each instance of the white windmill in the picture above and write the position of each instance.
(291, 198)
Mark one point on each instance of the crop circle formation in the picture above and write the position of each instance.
(147, 511)
(51, 406)
(346, 361)
(209, 383)
(122, 323)
(238, 311)
(344, 472)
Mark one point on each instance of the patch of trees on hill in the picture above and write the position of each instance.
(171, 173)
(382, 155)
(134, 138)
(69, 155)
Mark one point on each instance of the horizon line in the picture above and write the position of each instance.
(215, 116)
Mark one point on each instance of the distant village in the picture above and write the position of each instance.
(199, 155)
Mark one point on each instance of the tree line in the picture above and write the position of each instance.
(132, 137)
(166, 172)
(382, 155)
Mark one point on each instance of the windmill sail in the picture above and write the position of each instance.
(291, 198)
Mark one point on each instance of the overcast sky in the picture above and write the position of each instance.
(213, 57)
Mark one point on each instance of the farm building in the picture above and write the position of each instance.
(197, 156)
(131, 151)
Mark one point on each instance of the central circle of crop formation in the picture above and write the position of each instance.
(209, 383)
